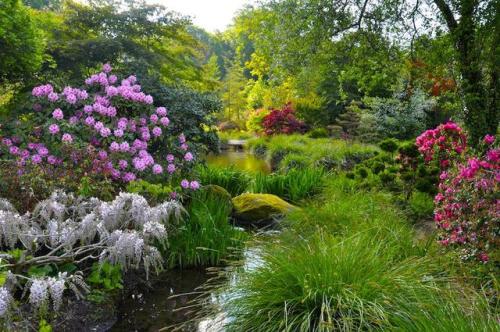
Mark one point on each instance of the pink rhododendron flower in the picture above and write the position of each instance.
(194, 185)
(53, 97)
(171, 168)
(489, 139)
(185, 184)
(58, 114)
(157, 169)
(67, 138)
(53, 129)
(161, 111)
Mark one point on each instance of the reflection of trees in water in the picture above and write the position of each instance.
(240, 160)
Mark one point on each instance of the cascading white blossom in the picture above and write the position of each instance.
(5, 301)
(39, 293)
(76, 229)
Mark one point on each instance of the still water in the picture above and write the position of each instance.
(239, 159)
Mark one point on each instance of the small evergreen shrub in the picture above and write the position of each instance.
(389, 145)
(318, 133)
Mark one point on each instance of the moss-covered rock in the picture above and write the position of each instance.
(259, 209)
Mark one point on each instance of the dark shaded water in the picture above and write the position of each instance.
(239, 159)
(162, 307)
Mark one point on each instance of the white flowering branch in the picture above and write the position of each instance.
(70, 229)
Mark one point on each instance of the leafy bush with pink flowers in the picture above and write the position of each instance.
(109, 128)
(467, 206)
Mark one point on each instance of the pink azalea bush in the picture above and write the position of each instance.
(110, 128)
(467, 206)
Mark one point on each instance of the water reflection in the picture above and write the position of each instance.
(239, 159)
(167, 304)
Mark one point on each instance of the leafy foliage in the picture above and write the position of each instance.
(282, 122)
(21, 42)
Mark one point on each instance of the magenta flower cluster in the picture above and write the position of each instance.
(116, 125)
(467, 208)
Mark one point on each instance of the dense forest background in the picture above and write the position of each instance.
(393, 67)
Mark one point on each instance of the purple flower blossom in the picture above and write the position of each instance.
(128, 177)
(114, 146)
(170, 168)
(194, 185)
(43, 151)
(118, 132)
(7, 142)
(164, 121)
(157, 131)
(105, 132)
(170, 158)
(153, 118)
(161, 111)
(188, 156)
(71, 99)
(185, 184)
(157, 169)
(53, 129)
(36, 159)
(58, 114)
(89, 121)
(73, 120)
(139, 163)
(103, 155)
(88, 109)
(112, 79)
(53, 97)
(106, 68)
(14, 150)
(148, 100)
(67, 138)
(122, 164)
(52, 160)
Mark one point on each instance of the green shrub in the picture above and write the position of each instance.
(389, 145)
(350, 175)
(377, 167)
(154, 193)
(292, 161)
(362, 172)
(231, 179)
(387, 177)
(205, 237)
(325, 152)
(318, 133)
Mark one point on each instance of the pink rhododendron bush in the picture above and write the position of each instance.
(467, 206)
(109, 129)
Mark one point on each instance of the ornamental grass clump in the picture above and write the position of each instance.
(205, 237)
(109, 128)
(68, 231)
(360, 282)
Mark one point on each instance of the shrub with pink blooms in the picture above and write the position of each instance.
(110, 128)
(467, 206)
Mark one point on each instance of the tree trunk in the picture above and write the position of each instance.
(481, 114)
